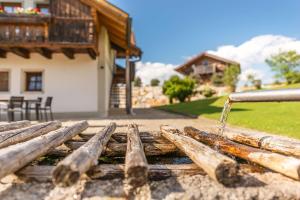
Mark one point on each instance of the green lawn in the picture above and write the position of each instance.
(278, 118)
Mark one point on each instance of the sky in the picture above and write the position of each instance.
(247, 31)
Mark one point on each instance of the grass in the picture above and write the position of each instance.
(277, 118)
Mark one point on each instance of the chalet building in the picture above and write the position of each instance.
(204, 66)
(66, 49)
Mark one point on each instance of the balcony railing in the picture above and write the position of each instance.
(204, 69)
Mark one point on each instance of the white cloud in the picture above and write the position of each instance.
(253, 53)
(148, 71)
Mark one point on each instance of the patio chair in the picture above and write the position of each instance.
(37, 104)
(15, 104)
(47, 107)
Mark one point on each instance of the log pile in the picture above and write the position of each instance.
(93, 155)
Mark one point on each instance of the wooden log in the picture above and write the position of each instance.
(136, 166)
(108, 172)
(14, 125)
(219, 167)
(119, 149)
(8, 138)
(288, 166)
(68, 171)
(17, 156)
(264, 141)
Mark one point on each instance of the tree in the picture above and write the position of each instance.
(155, 82)
(137, 82)
(286, 65)
(177, 88)
(231, 76)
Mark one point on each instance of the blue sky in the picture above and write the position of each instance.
(170, 31)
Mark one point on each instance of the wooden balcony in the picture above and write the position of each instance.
(204, 69)
(22, 34)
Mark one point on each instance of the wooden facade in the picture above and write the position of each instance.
(71, 27)
(204, 66)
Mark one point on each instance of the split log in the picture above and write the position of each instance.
(136, 166)
(8, 138)
(288, 166)
(119, 149)
(219, 167)
(17, 156)
(14, 125)
(264, 141)
(69, 170)
(108, 172)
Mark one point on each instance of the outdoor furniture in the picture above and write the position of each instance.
(47, 108)
(15, 104)
(34, 105)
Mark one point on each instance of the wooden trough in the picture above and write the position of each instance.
(23, 146)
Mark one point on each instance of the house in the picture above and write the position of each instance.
(66, 49)
(204, 66)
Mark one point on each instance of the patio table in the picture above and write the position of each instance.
(28, 104)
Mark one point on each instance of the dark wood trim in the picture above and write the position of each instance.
(47, 53)
(92, 53)
(69, 53)
(25, 53)
(3, 53)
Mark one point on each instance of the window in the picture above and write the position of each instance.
(4, 81)
(34, 81)
(205, 63)
(11, 7)
(43, 8)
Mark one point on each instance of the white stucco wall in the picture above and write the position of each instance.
(81, 85)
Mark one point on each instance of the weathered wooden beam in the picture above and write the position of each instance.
(3, 53)
(25, 53)
(11, 137)
(68, 52)
(136, 166)
(264, 141)
(17, 156)
(108, 172)
(14, 125)
(92, 53)
(288, 166)
(219, 167)
(47, 53)
(68, 171)
(119, 149)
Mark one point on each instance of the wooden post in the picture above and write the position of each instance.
(119, 149)
(108, 172)
(128, 86)
(219, 167)
(17, 156)
(288, 166)
(8, 138)
(69, 170)
(264, 141)
(136, 166)
(14, 125)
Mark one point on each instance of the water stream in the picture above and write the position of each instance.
(224, 117)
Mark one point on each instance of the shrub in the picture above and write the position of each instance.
(137, 82)
(208, 92)
(231, 75)
(154, 82)
(177, 88)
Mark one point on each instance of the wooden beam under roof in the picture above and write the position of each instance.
(69, 53)
(25, 53)
(47, 53)
(3, 53)
(92, 53)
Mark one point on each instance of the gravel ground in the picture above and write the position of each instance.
(264, 186)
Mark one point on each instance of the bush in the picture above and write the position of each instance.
(257, 84)
(155, 82)
(137, 82)
(177, 88)
(208, 92)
